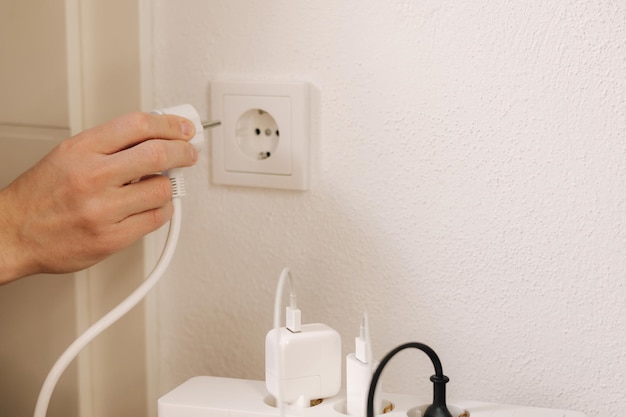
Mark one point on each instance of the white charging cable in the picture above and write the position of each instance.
(280, 288)
(111, 317)
(178, 191)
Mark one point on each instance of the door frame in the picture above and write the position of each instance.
(97, 61)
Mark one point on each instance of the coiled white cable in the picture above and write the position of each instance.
(112, 316)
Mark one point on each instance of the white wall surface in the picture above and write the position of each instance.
(468, 190)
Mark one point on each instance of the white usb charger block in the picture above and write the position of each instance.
(309, 363)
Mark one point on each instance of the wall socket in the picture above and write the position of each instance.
(263, 139)
(206, 396)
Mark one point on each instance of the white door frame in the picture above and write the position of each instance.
(97, 62)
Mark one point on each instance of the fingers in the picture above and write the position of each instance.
(140, 224)
(131, 129)
(137, 225)
(134, 227)
(151, 193)
(150, 157)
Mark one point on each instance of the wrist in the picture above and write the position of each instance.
(13, 263)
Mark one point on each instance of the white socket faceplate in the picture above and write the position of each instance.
(263, 140)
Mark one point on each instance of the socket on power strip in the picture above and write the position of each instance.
(206, 396)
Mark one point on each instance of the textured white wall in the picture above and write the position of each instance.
(468, 189)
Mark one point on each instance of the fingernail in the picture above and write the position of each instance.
(188, 128)
(194, 154)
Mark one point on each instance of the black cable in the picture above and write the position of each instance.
(438, 408)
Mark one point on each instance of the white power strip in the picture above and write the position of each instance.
(206, 396)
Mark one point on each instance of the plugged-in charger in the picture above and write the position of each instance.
(309, 363)
(359, 369)
(302, 361)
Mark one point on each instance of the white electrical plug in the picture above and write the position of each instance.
(176, 174)
(189, 112)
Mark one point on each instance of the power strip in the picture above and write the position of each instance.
(206, 396)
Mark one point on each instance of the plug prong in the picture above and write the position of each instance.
(213, 123)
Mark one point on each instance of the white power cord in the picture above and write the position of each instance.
(178, 190)
(112, 316)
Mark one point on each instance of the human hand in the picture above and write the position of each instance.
(81, 202)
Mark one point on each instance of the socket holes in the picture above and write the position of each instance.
(257, 134)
